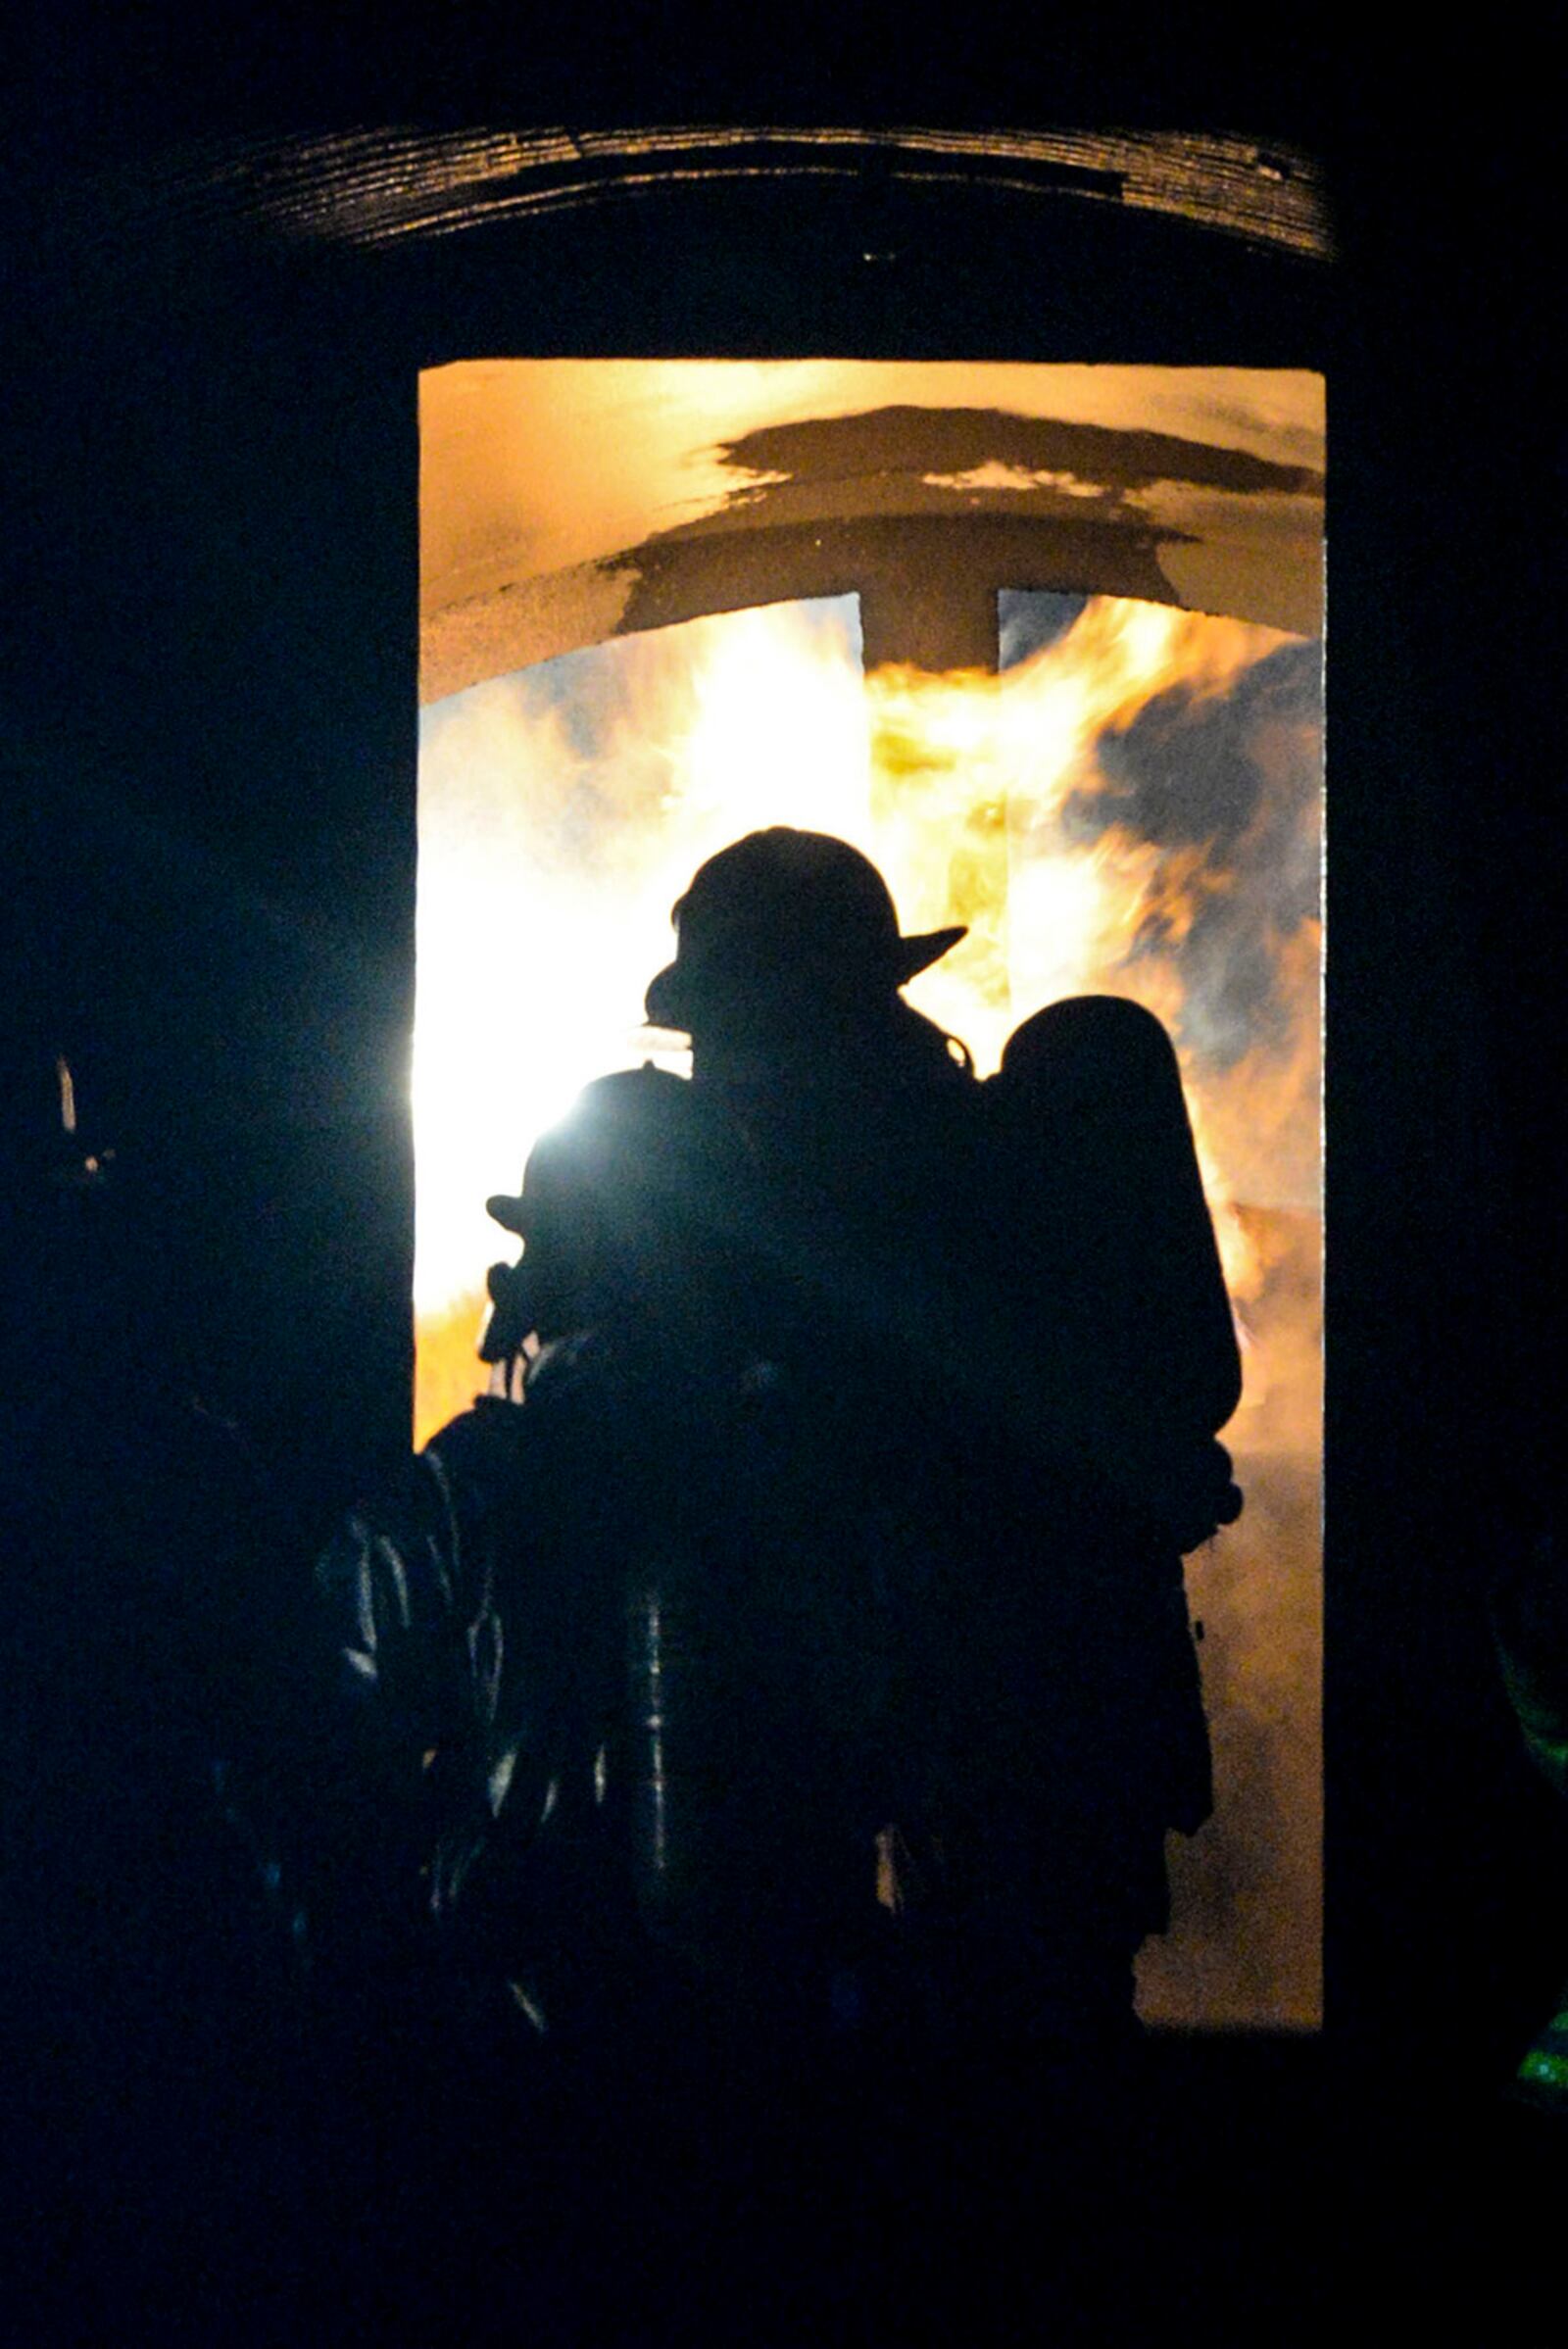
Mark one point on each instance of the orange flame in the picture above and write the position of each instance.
(547, 874)
(956, 784)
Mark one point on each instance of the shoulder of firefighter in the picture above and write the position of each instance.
(1061, 1256)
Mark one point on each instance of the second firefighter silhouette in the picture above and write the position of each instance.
(819, 1614)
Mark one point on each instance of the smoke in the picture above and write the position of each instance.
(1238, 777)
(1246, 1942)
(1028, 621)
(1133, 805)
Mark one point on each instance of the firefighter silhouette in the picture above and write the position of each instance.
(807, 1646)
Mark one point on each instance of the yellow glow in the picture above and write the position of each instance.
(547, 873)
(536, 467)
(546, 879)
(535, 942)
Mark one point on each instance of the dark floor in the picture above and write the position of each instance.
(1247, 2190)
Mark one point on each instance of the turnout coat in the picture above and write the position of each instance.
(816, 1620)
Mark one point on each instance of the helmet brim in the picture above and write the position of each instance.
(674, 996)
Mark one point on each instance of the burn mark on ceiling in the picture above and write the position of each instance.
(647, 502)
(909, 444)
(928, 592)
(864, 501)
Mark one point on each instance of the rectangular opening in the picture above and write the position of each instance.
(1117, 792)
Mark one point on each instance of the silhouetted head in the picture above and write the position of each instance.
(782, 931)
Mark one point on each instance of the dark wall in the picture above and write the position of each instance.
(213, 613)
(214, 750)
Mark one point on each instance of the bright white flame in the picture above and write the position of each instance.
(548, 869)
(554, 844)
(562, 810)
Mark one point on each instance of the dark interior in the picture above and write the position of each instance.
(210, 831)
